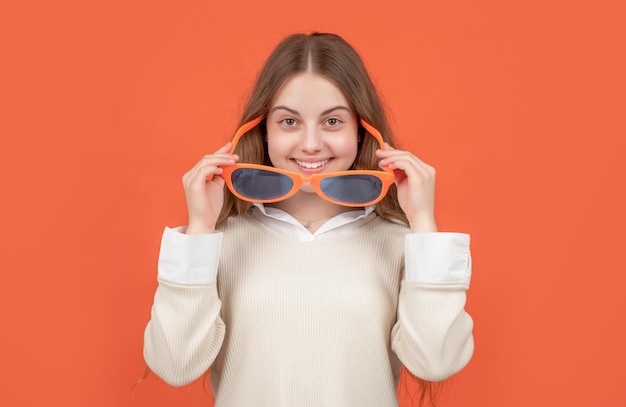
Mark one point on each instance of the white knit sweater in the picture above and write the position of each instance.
(323, 323)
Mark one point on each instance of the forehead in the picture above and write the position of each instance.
(308, 91)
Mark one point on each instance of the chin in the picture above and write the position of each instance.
(306, 187)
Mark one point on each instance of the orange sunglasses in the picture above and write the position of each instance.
(264, 184)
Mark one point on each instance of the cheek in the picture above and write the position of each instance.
(348, 149)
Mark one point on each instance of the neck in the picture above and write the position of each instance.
(308, 207)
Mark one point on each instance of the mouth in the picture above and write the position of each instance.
(311, 165)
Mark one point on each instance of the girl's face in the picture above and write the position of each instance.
(311, 127)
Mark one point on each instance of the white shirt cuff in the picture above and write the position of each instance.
(438, 257)
(191, 259)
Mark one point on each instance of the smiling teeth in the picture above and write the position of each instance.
(314, 165)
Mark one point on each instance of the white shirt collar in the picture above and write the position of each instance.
(286, 225)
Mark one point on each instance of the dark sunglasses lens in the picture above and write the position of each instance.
(352, 189)
(260, 185)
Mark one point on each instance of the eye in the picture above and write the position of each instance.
(289, 122)
(333, 121)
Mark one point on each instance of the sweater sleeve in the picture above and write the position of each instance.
(433, 333)
(185, 331)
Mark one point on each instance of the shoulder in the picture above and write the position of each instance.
(391, 227)
(237, 221)
(240, 226)
(384, 236)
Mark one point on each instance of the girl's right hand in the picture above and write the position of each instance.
(204, 190)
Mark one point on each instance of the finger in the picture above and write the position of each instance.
(216, 160)
(393, 160)
(199, 175)
(405, 155)
(383, 151)
(413, 169)
(225, 148)
(389, 151)
(393, 153)
(386, 154)
(222, 156)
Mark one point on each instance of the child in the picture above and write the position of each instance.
(318, 271)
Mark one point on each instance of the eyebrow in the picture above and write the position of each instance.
(325, 112)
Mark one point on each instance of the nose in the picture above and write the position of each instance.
(312, 140)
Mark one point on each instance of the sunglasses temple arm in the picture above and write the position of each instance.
(376, 134)
(246, 127)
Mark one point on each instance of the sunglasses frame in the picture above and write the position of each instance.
(387, 177)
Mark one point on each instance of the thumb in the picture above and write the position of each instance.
(218, 180)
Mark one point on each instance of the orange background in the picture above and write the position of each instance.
(519, 105)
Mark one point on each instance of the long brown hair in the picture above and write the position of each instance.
(330, 56)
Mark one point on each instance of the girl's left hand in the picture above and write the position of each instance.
(416, 187)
